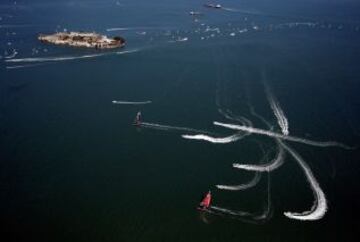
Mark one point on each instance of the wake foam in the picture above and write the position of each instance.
(24, 66)
(12, 55)
(278, 112)
(130, 103)
(281, 136)
(246, 216)
(126, 28)
(245, 186)
(67, 58)
(231, 212)
(171, 128)
(222, 140)
(274, 164)
(319, 207)
(230, 116)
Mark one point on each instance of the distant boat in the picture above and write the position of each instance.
(195, 13)
(137, 120)
(211, 5)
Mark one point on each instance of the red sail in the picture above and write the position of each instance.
(206, 201)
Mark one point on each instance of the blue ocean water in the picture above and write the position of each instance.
(73, 168)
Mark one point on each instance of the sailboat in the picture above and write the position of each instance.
(205, 202)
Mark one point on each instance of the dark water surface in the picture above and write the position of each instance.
(73, 168)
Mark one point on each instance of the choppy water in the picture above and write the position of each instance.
(257, 101)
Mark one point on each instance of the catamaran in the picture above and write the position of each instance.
(137, 120)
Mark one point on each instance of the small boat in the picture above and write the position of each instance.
(211, 5)
(194, 13)
(137, 120)
(205, 202)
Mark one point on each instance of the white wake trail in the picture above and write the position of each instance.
(231, 212)
(66, 58)
(230, 9)
(252, 110)
(228, 114)
(281, 136)
(12, 55)
(169, 128)
(278, 112)
(319, 207)
(24, 66)
(245, 186)
(246, 216)
(249, 12)
(221, 140)
(267, 211)
(127, 28)
(282, 121)
(274, 164)
(46, 59)
(130, 103)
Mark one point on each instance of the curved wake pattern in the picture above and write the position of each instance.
(222, 140)
(240, 215)
(130, 103)
(281, 136)
(230, 116)
(261, 118)
(319, 207)
(170, 128)
(66, 58)
(12, 55)
(274, 164)
(246, 216)
(245, 186)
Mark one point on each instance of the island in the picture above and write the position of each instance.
(83, 39)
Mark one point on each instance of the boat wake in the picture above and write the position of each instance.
(12, 55)
(274, 164)
(222, 140)
(245, 186)
(230, 116)
(248, 12)
(281, 136)
(278, 112)
(127, 28)
(246, 216)
(67, 58)
(171, 128)
(130, 103)
(25, 66)
(319, 207)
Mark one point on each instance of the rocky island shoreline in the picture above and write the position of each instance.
(83, 39)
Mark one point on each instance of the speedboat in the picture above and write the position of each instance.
(211, 5)
(195, 13)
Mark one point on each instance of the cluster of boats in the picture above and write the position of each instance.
(97, 41)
